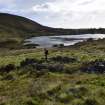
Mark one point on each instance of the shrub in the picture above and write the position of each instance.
(29, 46)
(2, 104)
(8, 77)
(40, 66)
(97, 66)
(65, 98)
(55, 45)
(90, 40)
(30, 103)
(63, 59)
(61, 45)
(90, 102)
(55, 68)
(58, 45)
(78, 92)
(28, 61)
(7, 68)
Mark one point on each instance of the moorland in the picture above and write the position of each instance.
(73, 75)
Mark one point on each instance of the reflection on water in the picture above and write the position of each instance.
(49, 41)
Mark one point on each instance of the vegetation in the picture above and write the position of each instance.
(27, 79)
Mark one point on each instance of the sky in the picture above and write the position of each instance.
(59, 13)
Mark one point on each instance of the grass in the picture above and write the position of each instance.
(28, 86)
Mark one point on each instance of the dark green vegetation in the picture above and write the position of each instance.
(15, 29)
(27, 79)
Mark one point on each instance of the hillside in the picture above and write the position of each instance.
(13, 26)
(17, 26)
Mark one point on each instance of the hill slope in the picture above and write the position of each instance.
(13, 26)
(17, 26)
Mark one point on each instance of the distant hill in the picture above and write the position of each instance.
(13, 26)
(17, 26)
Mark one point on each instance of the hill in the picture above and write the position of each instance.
(13, 26)
(15, 29)
(17, 26)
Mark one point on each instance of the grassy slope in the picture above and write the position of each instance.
(17, 26)
(25, 88)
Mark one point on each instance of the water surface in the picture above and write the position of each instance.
(66, 40)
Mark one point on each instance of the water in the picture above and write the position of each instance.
(66, 40)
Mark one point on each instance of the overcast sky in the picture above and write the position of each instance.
(59, 13)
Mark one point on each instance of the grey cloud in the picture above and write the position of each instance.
(63, 13)
(87, 2)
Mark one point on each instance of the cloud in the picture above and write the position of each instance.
(59, 13)
(6, 2)
(73, 13)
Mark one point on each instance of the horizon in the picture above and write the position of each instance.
(68, 14)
